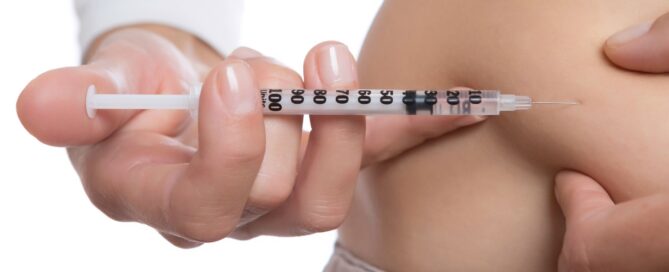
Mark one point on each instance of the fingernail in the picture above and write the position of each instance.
(336, 65)
(245, 53)
(630, 34)
(469, 120)
(237, 88)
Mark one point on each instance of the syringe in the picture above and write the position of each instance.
(335, 102)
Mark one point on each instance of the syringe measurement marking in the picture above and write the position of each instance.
(272, 98)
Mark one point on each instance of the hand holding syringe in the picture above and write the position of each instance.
(232, 171)
(336, 102)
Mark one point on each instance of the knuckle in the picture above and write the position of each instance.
(272, 74)
(318, 224)
(105, 205)
(206, 231)
(265, 201)
(246, 154)
(253, 148)
(243, 234)
(271, 190)
(322, 220)
(341, 130)
(198, 213)
(100, 193)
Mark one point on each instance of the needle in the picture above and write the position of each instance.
(558, 103)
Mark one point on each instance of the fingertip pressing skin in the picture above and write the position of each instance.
(566, 183)
(580, 196)
(643, 47)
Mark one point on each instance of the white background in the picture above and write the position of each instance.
(46, 221)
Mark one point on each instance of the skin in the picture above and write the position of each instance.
(230, 172)
(482, 199)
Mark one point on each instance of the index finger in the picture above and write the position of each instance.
(389, 136)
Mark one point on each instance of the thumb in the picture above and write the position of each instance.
(643, 48)
(580, 196)
(52, 107)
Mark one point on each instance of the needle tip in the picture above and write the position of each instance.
(570, 103)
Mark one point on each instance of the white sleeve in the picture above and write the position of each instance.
(217, 22)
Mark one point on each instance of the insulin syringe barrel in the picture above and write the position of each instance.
(333, 102)
(390, 102)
